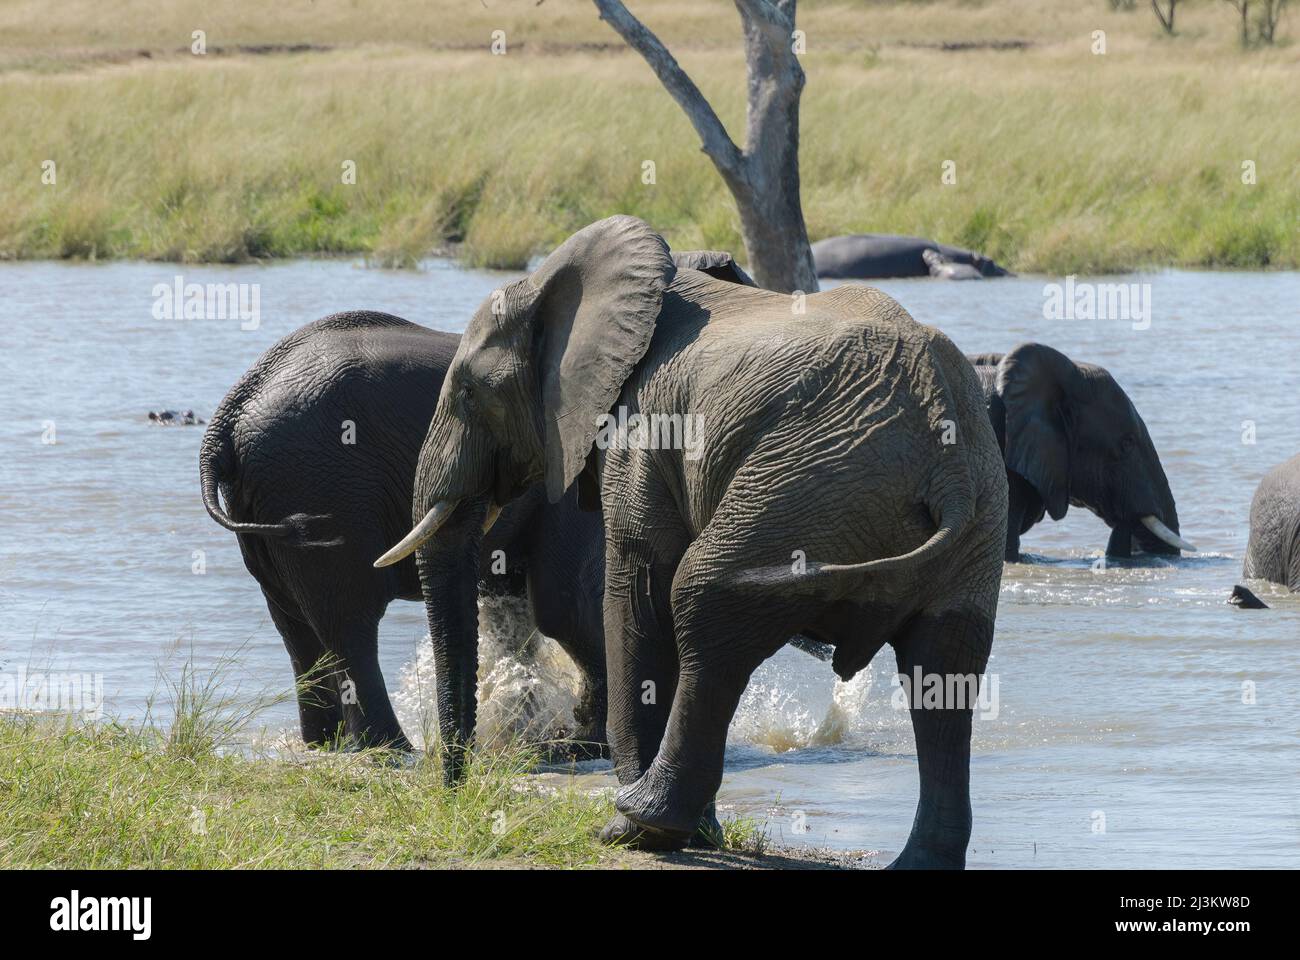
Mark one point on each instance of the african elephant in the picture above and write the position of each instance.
(314, 450)
(874, 256)
(1273, 550)
(761, 473)
(1070, 435)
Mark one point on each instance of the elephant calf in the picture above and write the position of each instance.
(1273, 550)
(793, 479)
(314, 451)
(1071, 435)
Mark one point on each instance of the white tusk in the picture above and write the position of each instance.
(1165, 534)
(425, 529)
(493, 511)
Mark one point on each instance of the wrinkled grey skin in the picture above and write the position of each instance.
(1071, 435)
(1273, 550)
(875, 256)
(311, 513)
(823, 501)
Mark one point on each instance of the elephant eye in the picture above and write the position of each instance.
(1126, 445)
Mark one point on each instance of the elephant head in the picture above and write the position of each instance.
(1075, 436)
(540, 362)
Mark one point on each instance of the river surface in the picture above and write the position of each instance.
(1140, 720)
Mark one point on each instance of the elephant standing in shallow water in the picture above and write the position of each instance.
(823, 501)
(314, 451)
(1071, 435)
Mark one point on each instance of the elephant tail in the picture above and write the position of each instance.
(954, 511)
(954, 514)
(217, 462)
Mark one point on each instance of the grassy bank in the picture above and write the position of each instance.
(1065, 161)
(104, 796)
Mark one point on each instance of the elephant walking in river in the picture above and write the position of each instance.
(819, 497)
(1071, 435)
(314, 451)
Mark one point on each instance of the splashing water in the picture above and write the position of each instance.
(528, 686)
(784, 709)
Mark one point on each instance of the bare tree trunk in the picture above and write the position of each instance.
(764, 177)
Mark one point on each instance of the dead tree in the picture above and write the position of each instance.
(1166, 20)
(764, 176)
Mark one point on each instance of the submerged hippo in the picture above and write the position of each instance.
(169, 418)
(944, 269)
(873, 256)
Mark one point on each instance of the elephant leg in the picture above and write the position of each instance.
(368, 717)
(641, 676)
(319, 711)
(722, 636)
(676, 792)
(641, 665)
(953, 644)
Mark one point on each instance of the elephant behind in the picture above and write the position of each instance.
(807, 489)
(1071, 435)
(314, 450)
(1273, 550)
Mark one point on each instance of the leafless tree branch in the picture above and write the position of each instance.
(713, 135)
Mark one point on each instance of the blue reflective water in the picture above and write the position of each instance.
(1125, 732)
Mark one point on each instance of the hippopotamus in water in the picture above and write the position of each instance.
(170, 418)
(944, 269)
(873, 256)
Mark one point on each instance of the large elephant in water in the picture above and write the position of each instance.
(761, 474)
(1071, 435)
(314, 450)
(876, 256)
(1273, 550)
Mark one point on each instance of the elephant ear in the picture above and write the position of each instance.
(716, 263)
(1037, 384)
(598, 297)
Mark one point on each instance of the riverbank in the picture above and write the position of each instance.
(306, 132)
(104, 796)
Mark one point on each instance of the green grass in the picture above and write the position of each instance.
(105, 796)
(182, 789)
(1066, 161)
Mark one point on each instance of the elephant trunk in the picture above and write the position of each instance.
(449, 578)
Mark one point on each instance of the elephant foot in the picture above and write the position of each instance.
(917, 856)
(620, 831)
(653, 804)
